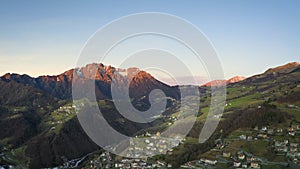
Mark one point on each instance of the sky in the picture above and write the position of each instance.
(46, 37)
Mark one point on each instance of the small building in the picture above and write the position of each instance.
(158, 134)
(292, 133)
(290, 155)
(291, 106)
(263, 136)
(241, 156)
(254, 164)
(264, 128)
(293, 149)
(279, 130)
(294, 144)
(245, 166)
(226, 154)
(243, 137)
(290, 129)
(250, 159)
(210, 162)
(270, 131)
(283, 149)
(298, 127)
(237, 164)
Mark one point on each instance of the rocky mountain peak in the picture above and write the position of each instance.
(236, 79)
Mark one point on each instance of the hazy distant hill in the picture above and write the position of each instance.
(225, 82)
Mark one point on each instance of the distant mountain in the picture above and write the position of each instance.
(289, 67)
(236, 79)
(222, 82)
(273, 73)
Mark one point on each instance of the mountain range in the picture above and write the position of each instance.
(40, 128)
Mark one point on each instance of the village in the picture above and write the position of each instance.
(150, 144)
(283, 142)
(147, 146)
(105, 160)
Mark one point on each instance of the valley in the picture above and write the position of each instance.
(260, 126)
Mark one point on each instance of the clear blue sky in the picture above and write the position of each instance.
(45, 37)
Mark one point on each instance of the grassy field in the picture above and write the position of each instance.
(59, 117)
(242, 102)
(293, 111)
(237, 91)
(257, 148)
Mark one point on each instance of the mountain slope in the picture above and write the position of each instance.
(48, 133)
(267, 99)
(234, 79)
(22, 109)
(287, 68)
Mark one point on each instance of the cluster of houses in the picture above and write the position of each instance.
(171, 119)
(241, 160)
(245, 160)
(220, 144)
(267, 133)
(140, 164)
(152, 145)
(105, 160)
(66, 109)
(290, 150)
